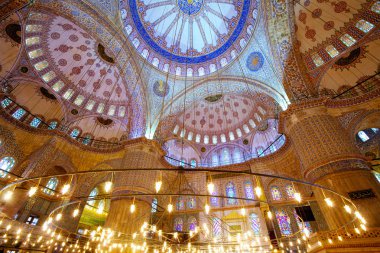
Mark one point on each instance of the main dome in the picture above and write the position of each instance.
(189, 37)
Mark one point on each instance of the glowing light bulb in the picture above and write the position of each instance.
(8, 195)
(297, 196)
(170, 208)
(270, 215)
(340, 238)
(258, 191)
(75, 212)
(58, 217)
(108, 186)
(242, 211)
(158, 186)
(32, 191)
(319, 243)
(347, 208)
(210, 188)
(363, 227)
(207, 208)
(65, 189)
(330, 241)
(133, 208)
(175, 235)
(357, 231)
(329, 202)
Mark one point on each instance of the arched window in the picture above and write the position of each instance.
(18, 113)
(276, 194)
(191, 203)
(192, 223)
(259, 151)
(183, 162)
(377, 175)
(375, 130)
(254, 223)
(51, 186)
(93, 194)
(75, 133)
(53, 125)
(238, 156)
(101, 206)
(231, 194)
(6, 102)
(215, 159)
(35, 122)
(283, 222)
(86, 139)
(193, 163)
(154, 205)
(363, 136)
(180, 203)
(226, 157)
(6, 164)
(178, 224)
(214, 201)
(216, 227)
(290, 191)
(300, 225)
(248, 190)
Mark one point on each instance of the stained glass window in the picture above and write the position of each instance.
(178, 224)
(19, 113)
(317, 59)
(299, 223)
(376, 7)
(193, 163)
(363, 136)
(364, 26)
(154, 205)
(290, 191)
(216, 227)
(259, 151)
(283, 222)
(192, 223)
(231, 194)
(93, 194)
(332, 51)
(276, 194)
(226, 158)
(191, 203)
(238, 157)
(347, 40)
(51, 186)
(35, 122)
(377, 175)
(53, 124)
(86, 139)
(254, 223)
(6, 102)
(101, 206)
(375, 130)
(75, 133)
(180, 203)
(6, 164)
(272, 148)
(248, 190)
(215, 159)
(214, 200)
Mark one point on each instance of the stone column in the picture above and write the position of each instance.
(330, 158)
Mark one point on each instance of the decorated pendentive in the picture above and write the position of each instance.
(255, 61)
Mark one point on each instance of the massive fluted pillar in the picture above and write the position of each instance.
(330, 158)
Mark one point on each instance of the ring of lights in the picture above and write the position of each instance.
(163, 238)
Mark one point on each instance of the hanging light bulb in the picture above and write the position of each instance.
(297, 196)
(270, 215)
(242, 211)
(363, 227)
(357, 230)
(8, 195)
(108, 186)
(133, 208)
(75, 212)
(330, 241)
(340, 238)
(258, 191)
(175, 235)
(210, 187)
(170, 207)
(347, 208)
(207, 208)
(329, 202)
(158, 186)
(65, 189)
(58, 217)
(32, 191)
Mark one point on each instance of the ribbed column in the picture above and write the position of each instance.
(330, 158)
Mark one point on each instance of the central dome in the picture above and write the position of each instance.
(189, 37)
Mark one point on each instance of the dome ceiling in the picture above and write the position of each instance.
(189, 37)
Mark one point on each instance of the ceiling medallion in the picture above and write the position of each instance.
(213, 98)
